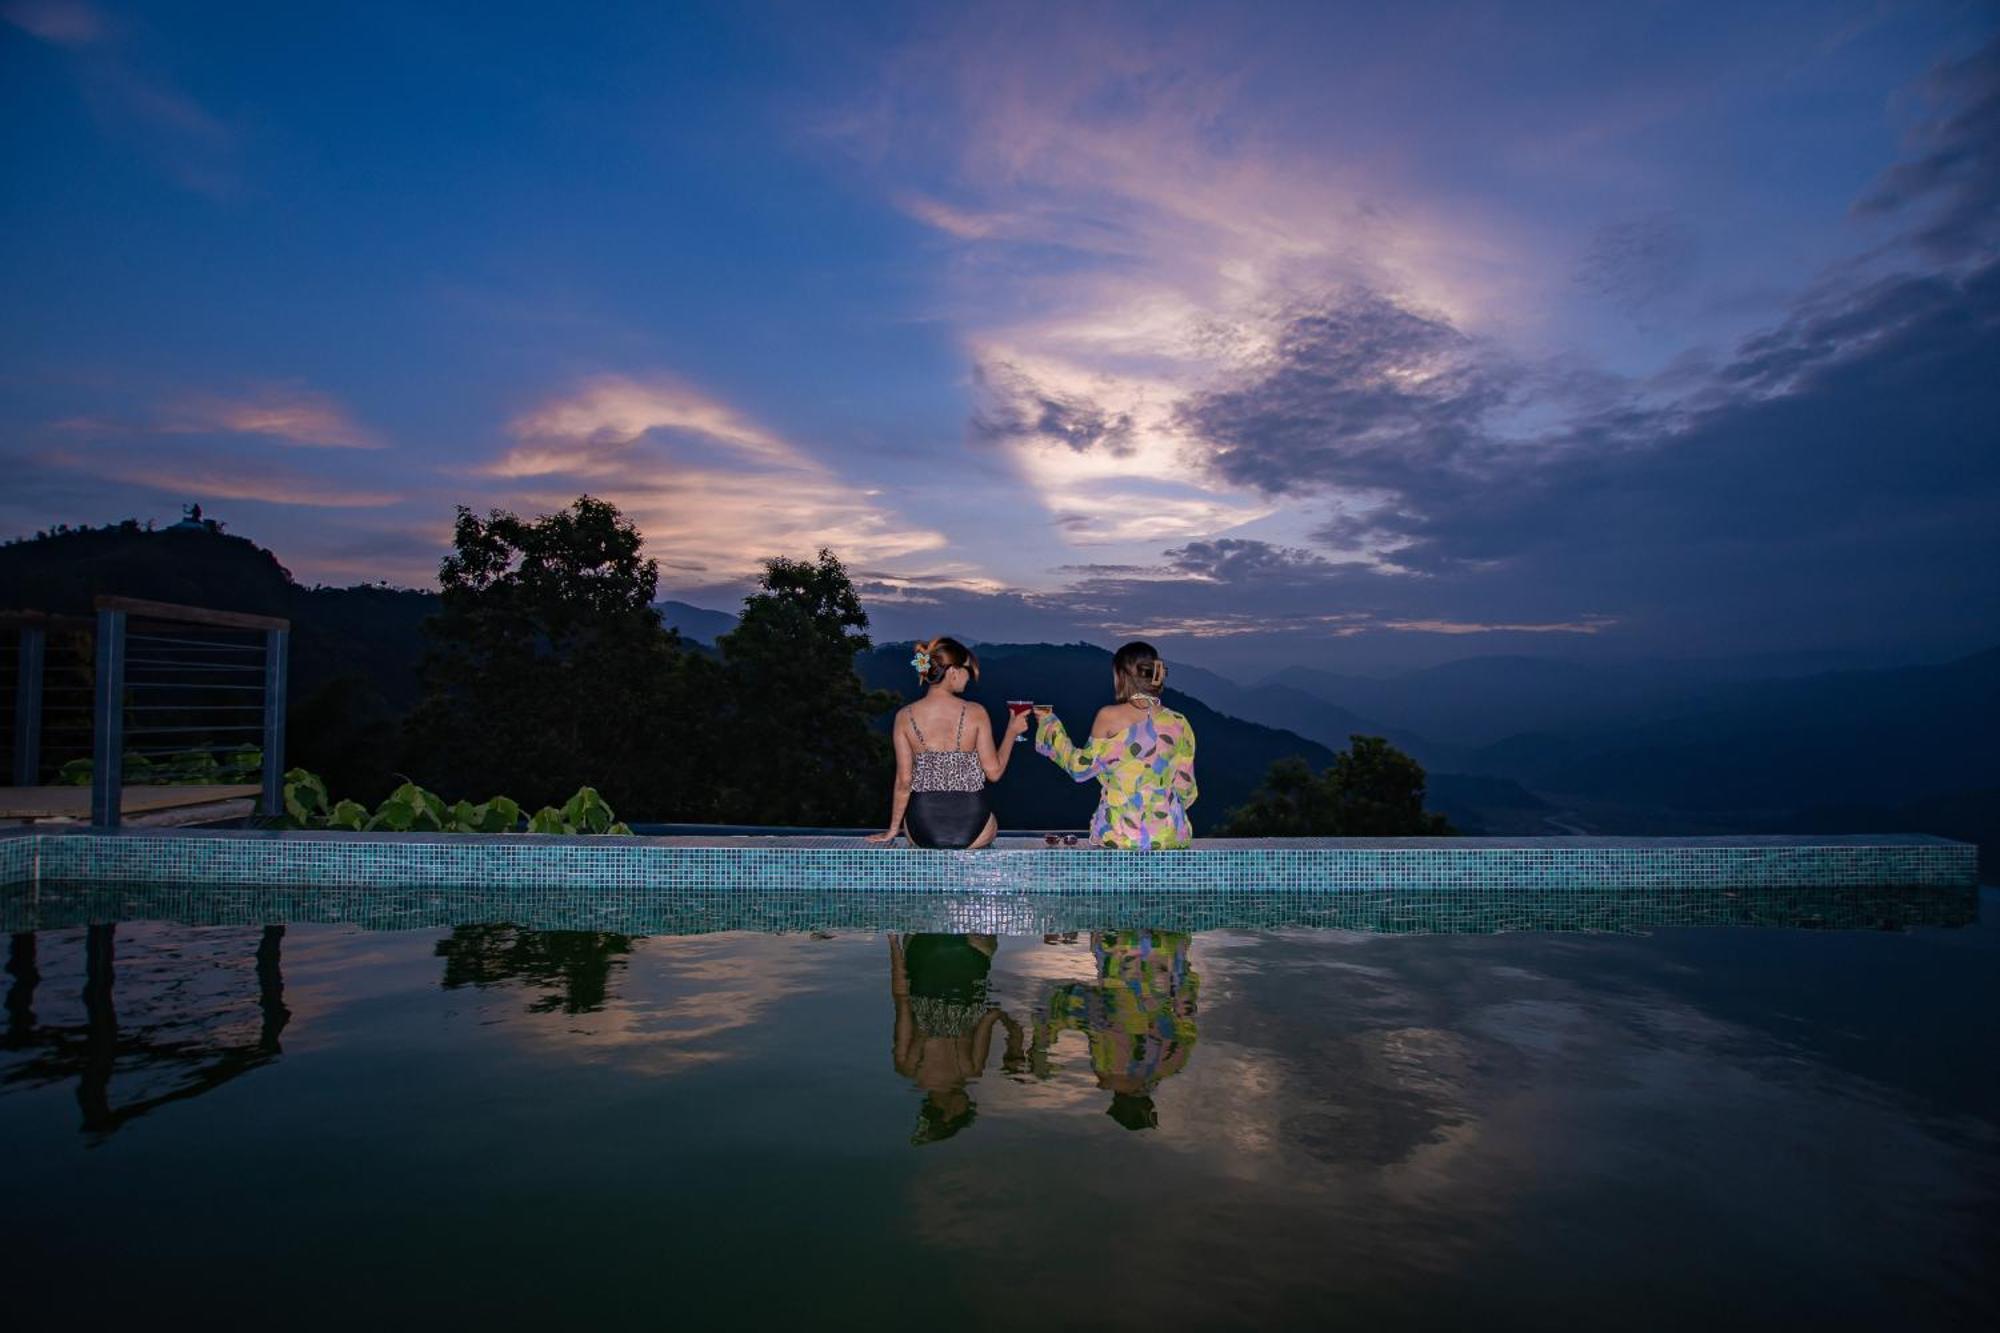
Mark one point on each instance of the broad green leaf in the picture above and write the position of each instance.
(393, 814)
(305, 797)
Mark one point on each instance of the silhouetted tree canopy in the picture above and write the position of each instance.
(548, 668)
(799, 748)
(1370, 790)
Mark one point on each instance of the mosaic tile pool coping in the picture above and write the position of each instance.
(840, 865)
(638, 911)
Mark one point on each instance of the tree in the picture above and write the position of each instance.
(548, 668)
(800, 748)
(1370, 790)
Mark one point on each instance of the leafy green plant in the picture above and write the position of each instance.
(585, 812)
(305, 798)
(349, 815)
(411, 809)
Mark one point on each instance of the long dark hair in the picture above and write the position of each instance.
(1137, 669)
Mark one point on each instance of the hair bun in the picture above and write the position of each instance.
(935, 657)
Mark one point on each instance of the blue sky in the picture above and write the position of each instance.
(1351, 334)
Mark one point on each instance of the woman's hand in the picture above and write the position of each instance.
(889, 835)
(1017, 726)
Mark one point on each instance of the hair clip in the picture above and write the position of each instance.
(922, 661)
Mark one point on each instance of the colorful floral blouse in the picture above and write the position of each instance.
(1139, 1012)
(1146, 772)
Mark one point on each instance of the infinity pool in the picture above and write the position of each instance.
(1722, 1109)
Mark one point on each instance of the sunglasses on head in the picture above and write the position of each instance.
(1059, 839)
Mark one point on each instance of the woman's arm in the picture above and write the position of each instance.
(899, 800)
(1181, 775)
(992, 759)
(903, 1039)
(982, 1042)
(1053, 741)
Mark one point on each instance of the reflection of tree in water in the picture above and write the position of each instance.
(1137, 1014)
(573, 966)
(97, 1050)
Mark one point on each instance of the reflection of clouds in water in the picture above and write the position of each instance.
(1026, 970)
(1407, 1106)
(683, 1001)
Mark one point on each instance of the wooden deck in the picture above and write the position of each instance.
(150, 805)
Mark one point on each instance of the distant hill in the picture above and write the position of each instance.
(1232, 755)
(367, 630)
(61, 574)
(1479, 804)
(697, 623)
(1479, 700)
(1276, 704)
(354, 651)
(1843, 738)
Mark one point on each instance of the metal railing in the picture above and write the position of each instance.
(182, 685)
(23, 689)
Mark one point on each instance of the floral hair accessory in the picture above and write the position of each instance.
(922, 661)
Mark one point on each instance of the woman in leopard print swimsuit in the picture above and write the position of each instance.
(940, 794)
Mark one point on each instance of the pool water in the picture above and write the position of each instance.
(478, 1125)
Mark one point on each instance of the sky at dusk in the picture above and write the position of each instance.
(1350, 334)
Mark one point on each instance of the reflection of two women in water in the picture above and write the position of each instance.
(1137, 1015)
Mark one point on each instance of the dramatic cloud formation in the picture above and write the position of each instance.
(1357, 393)
(1459, 478)
(714, 493)
(1953, 179)
(285, 414)
(1314, 331)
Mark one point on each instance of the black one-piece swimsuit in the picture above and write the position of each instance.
(947, 793)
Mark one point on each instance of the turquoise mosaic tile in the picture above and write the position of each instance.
(19, 849)
(833, 866)
(658, 911)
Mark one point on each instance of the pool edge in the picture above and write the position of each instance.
(359, 860)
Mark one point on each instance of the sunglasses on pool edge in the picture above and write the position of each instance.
(1060, 839)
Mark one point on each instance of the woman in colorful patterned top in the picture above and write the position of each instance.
(1140, 751)
(1137, 1014)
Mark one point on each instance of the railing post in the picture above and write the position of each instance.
(28, 707)
(107, 773)
(277, 644)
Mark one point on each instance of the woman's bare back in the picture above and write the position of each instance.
(937, 722)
